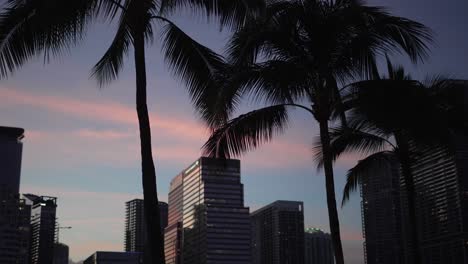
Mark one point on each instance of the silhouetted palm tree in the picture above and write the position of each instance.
(295, 56)
(29, 28)
(387, 117)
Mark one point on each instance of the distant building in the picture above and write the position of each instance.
(135, 227)
(174, 230)
(61, 252)
(381, 216)
(207, 212)
(11, 217)
(43, 220)
(318, 247)
(278, 233)
(104, 257)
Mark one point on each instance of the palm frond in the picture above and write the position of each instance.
(352, 139)
(367, 32)
(247, 132)
(194, 64)
(272, 35)
(48, 27)
(275, 81)
(374, 165)
(108, 67)
(231, 13)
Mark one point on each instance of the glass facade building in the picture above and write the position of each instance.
(207, 202)
(278, 233)
(173, 232)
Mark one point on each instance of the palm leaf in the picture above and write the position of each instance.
(194, 64)
(354, 138)
(108, 67)
(247, 132)
(231, 13)
(48, 27)
(371, 166)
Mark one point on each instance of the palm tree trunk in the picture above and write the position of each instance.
(405, 161)
(330, 187)
(154, 251)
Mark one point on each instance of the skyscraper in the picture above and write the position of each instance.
(173, 232)
(381, 216)
(135, 227)
(207, 202)
(43, 219)
(318, 247)
(11, 217)
(278, 233)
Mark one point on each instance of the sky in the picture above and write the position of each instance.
(81, 142)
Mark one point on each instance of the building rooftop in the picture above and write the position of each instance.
(312, 230)
(13, 132)
(285, 205)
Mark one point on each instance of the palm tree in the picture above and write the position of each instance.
(29, 28)
(391, 118)
(295, 55)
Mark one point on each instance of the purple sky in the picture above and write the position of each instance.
(81, 142)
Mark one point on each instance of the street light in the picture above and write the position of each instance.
(58, 230)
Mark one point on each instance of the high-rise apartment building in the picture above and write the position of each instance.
(381, 216)
(278, 233)
(441, 185)
(135, 224)
(318, 247)
(440, 176)
(43, 220)
(173, 232)
(11, 217)
(207, 205)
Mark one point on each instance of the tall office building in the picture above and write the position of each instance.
(43, 220)
(108, 257)
(318, 247)
(207, 204)
(278, 233)
(173, 232)
(11, 218)
(381, 216)
(135, 227)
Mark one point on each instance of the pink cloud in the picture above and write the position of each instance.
(108, 111)
(104, 134)
(175, 138)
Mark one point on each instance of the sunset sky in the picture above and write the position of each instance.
(81, 142)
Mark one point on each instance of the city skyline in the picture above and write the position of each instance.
(90, 137)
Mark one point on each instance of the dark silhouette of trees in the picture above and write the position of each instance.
(296, 54)
(390, 118)
(50, 27)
